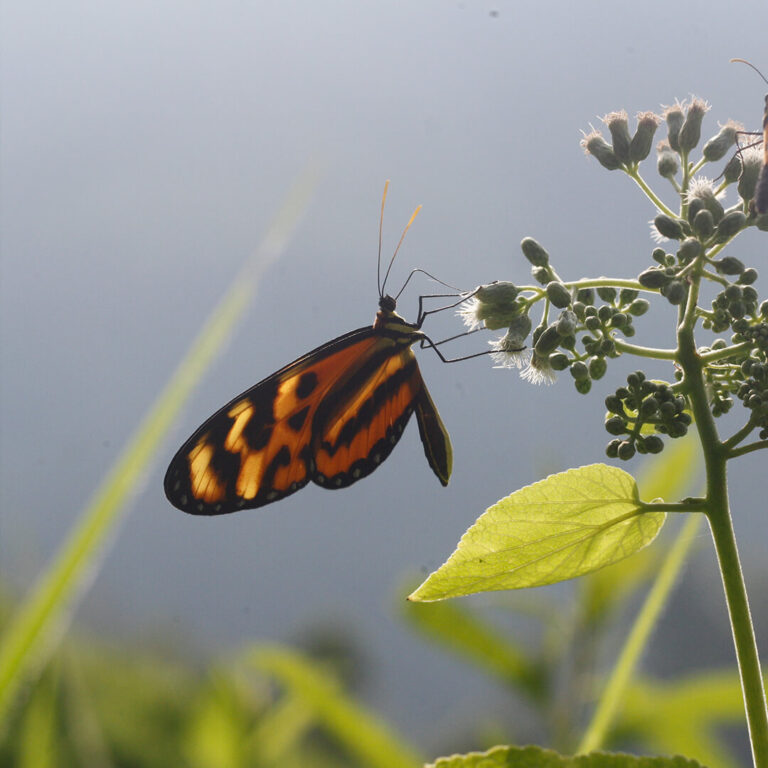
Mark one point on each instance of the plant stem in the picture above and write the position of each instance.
(718, 513)
(634, 349)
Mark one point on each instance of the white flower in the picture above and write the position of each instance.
(539, 371)
(469, 312)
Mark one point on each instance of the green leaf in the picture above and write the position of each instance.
(536, 757)
(359, 731)
(667, 477)
(561, 527)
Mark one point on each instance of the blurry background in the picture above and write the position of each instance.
(146, 148)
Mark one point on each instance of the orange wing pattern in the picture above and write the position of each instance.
(332, 416)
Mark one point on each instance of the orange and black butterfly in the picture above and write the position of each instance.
(331, 417)
(761, 190)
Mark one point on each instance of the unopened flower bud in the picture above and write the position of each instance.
(732, 169)
(548, 341)
(675, 292)
(642, 141)
(666, 161)
(690, 132)
(558, 294)
(689, 249)
(717, 147)
(541, 274)
(594, 144)
(619, 130)
(668, 226)
(730, 265)
(703, 223)
(653, 277)
(566, 323)
(534, 252)
(674, 117)
(500, 293)
(729, 225)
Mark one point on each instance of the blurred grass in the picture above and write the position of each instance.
(45, 613)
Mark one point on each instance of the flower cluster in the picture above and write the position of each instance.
(585, 323)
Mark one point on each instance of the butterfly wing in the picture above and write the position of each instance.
(360, 425)
(331, 416)
(258, 448)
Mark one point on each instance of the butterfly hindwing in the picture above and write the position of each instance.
(362, 425)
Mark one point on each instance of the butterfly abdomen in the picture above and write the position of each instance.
(761, 192)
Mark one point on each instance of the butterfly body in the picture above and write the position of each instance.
(331, 417)
(761, 191)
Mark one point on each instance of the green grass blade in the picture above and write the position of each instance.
(359, 731)
(45, 613)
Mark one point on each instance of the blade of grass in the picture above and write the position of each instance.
(610, 701)
(43, 616)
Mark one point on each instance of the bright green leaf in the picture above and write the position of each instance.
(535, 757)
(561, 527)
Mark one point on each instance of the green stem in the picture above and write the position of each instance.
(633, 349)
(650, 194)
(758, 446)
(726, 352)
(718, 513)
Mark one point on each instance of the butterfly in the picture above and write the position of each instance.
(330, 417)
(761, 190)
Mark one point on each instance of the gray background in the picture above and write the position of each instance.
(145, 149)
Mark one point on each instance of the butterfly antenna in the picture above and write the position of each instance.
(750, 64)
(400, 242)
(381, 229)
(431, 277)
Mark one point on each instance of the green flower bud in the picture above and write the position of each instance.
(668, 227)
(627, 296)
(579, 370)
(583, 386)
(702, 195)
(659, 256)
(748, 276)
(585, 296)
(605, 313)
(690, 132)
(732, 223)
(607, 293)
(592, 323)
(653, 277)
(615, 425)
(649, 407)
(639, 307)
(619, 130)
(566, 324)
(729, 265)
(654, 444)
(716, 148)
(547, 342)
(703, 223)
(732, 169)
(626, 450)
(597, 367)
(666, 161)
(674, 117)
(598, 147)
(558, 294)
(535, 254)
(559, 361)
(498, 294)
(612, 449)
(541, 275)
(694, 206)
(640, 146)
(690, 248)
(675, 292)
